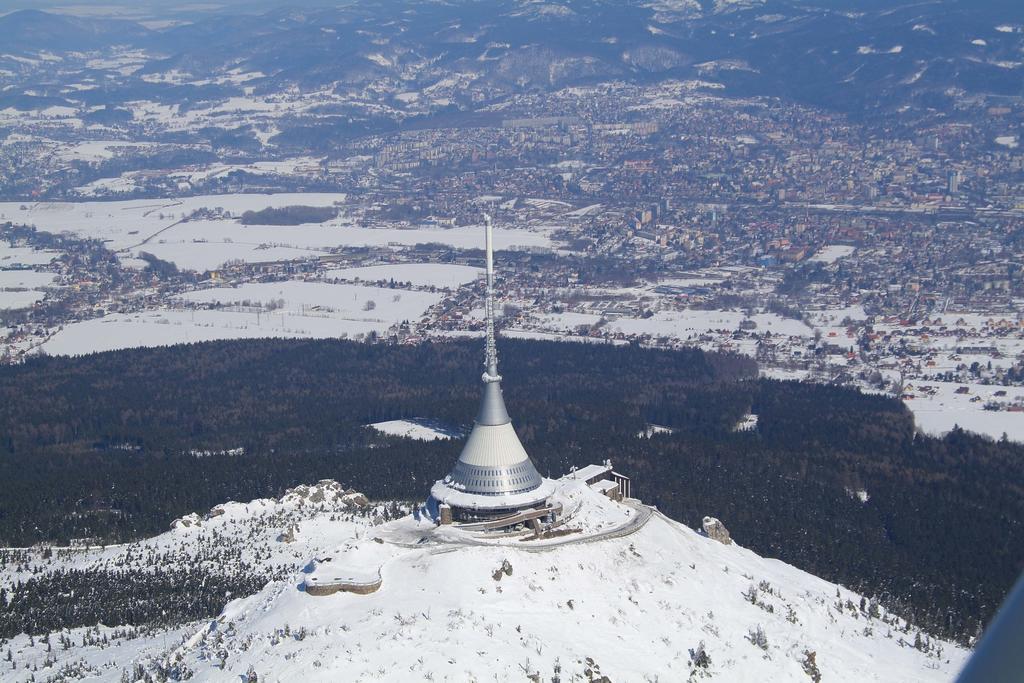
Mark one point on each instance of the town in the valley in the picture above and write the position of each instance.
(664, 214)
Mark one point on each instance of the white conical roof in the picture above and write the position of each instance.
(493, 446)
(493, 461)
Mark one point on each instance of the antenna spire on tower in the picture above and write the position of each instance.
(491, 348)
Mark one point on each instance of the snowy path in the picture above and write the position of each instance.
(445, 545)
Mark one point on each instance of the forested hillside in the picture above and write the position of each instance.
(115, 446)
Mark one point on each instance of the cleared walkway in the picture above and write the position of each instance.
(630, 526)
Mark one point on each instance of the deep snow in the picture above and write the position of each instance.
(630, 607)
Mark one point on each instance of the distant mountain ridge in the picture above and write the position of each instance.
(851, 56)
(36, 31)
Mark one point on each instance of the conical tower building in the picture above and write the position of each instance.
(493, 477)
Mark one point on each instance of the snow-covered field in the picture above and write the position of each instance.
(445, 276)
(203, 256)
(350, 302)
(936, 412)
(127, 223)
(689, 323)
(568, 321)
(22, 288)
(17, 300)
(24, 256)
(27, 279)
(835, 316)
(558, 337)
(277, 309)
(132, 180)
(168, 327)
(832, 253)
(411, 429)
(783, 374)
(95, 150)
(237, 241)
(153, 225)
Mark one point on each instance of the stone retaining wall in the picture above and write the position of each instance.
(343, 587)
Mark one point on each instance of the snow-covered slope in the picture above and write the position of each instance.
(642, 605)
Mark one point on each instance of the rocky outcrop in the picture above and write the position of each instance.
(326, 493)
(193, 519)
(714, 529)
(355, 499)
(187, 522)
(504, 570)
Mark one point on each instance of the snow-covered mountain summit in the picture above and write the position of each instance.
(620, 593)
(628, 600)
